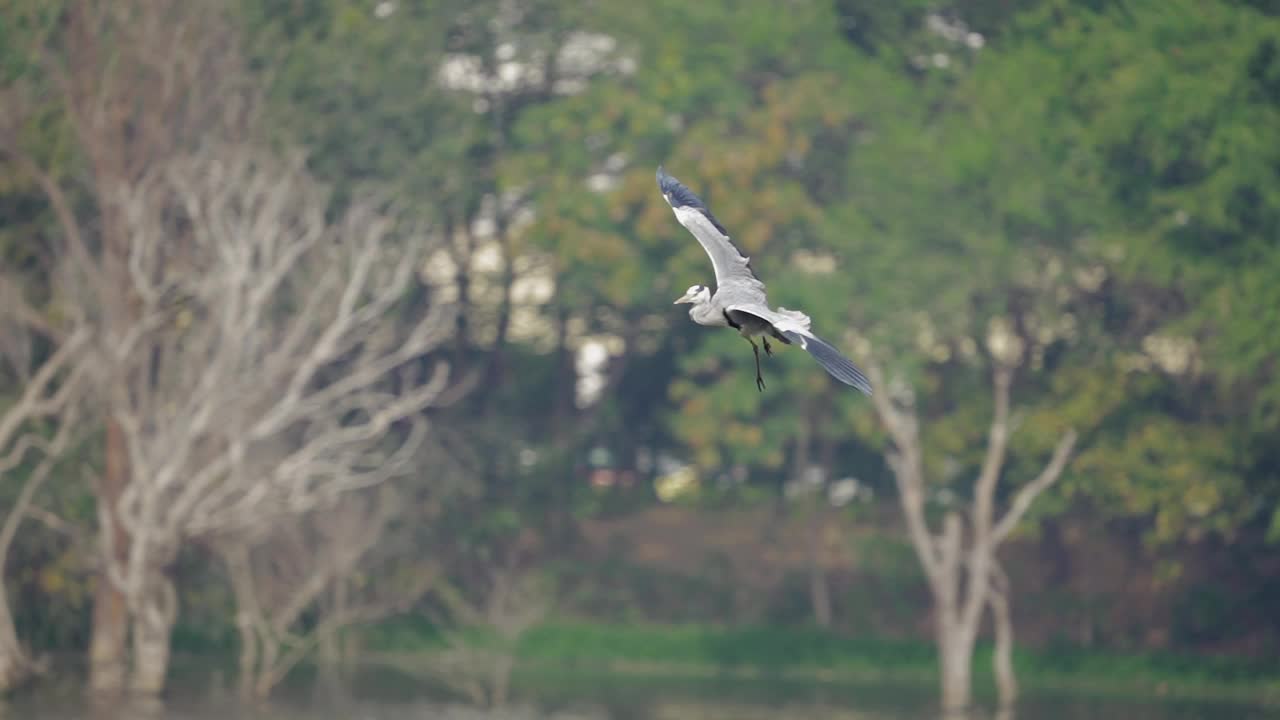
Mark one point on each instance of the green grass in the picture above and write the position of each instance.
(761, 648)
(797, 652)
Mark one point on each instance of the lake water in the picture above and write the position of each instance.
(385, 695)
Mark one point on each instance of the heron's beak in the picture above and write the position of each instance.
(686, 298)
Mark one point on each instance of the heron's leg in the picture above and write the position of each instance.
(759, 379)
(768, 350)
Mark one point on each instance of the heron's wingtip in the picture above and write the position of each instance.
(837, 365)
(667, 183)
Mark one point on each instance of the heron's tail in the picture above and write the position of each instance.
(837, 365)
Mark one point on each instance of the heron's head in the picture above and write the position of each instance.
(696, 295)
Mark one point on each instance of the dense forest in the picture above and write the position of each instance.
(330, 324)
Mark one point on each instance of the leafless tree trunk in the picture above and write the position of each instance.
(1002, 622)
(958, 565)
(332, 649)
(108, 643)
(155, 612)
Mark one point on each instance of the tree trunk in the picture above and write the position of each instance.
(151, 654)
(268, 655)
(1002, 657)
(330, 645)
(108, 655)
(956, 659)
(13, 662)
(258, 649)
(956, 629)
(248, 660)
(152, 629)
(947, 565)
(12, 672)
(107, 644)
(565, 380)
(498, 359)
(500, 679)
(462, 280)
(237, 561)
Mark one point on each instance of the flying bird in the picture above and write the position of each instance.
(739, 301)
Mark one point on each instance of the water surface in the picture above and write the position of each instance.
(382, 694)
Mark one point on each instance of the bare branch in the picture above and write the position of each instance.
(37, 402)
(21, 313)
(55, 523)
(53, 450)
(1029, 492)
(997, 449)
(78, 250)
(907, 464)
(984, 492)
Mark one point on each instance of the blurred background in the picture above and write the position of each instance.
(339, 372)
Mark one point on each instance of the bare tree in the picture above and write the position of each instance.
(265, 374)
(40, 422)
(307, 565)
(518, 598)
(138, 81)
(959, 561)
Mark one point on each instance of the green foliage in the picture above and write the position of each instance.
(24, 26)
(1175, 103)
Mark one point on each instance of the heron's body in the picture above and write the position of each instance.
(711, 314)
(739, 301)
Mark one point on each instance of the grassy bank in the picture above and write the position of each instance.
(820, 656)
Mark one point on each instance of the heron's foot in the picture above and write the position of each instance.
(768, 349)
(755, 350)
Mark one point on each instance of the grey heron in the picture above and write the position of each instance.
(739, 301)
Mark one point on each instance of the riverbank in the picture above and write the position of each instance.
(815, 655)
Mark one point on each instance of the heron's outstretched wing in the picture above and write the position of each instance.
(836, 365)
(732, 269)
(794, 326)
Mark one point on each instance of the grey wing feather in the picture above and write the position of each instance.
(732, 269)
(836, 365)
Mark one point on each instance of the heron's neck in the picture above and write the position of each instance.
(705, 313)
